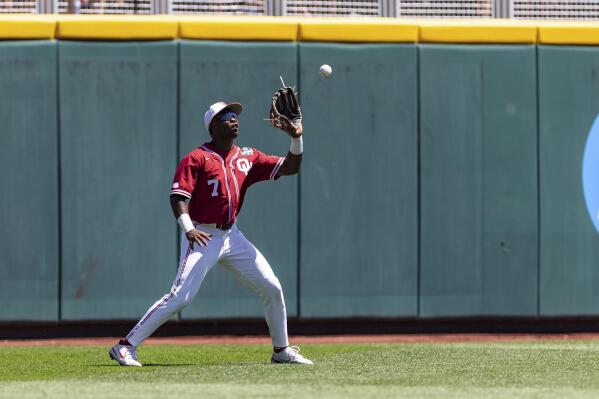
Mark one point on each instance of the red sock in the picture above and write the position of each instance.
(277, 349)
(125, 342)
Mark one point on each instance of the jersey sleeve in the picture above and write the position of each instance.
(186, 176)
(265, 167)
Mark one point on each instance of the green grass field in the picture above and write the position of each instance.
(548, 369)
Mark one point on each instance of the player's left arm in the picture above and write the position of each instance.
(291, 164)
(293, 160)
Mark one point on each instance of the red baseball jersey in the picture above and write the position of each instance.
(216, 182)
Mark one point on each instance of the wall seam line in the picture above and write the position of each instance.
(538, 154)
(299, 198)
(418, 182)
(178, 150)
(59, 178)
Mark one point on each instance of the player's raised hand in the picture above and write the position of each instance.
(285, 113)
(197, 236)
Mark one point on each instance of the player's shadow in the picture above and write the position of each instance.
(168, 365)
(144, 365)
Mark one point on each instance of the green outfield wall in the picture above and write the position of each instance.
(29, 215)
(359, 189)
(118, 118)
(439, 179)
(478, 181)
(569, 246)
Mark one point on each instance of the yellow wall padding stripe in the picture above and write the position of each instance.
(569, 33)
(478, 31)
(27, 27)
(122, 27)
(379, 30)
(238, 28)
(366, 30)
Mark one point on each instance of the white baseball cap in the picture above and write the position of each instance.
(216, 108)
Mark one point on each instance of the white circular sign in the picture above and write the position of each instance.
(590, 173)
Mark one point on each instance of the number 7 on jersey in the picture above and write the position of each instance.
(215, 188)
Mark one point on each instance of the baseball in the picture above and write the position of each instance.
(326, 70)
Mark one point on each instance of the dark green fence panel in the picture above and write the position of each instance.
(249, 73)
(118, 121)
(29, 181)
(359, 181)
(569, 102)
(479, 238)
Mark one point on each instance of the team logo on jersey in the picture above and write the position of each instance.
(175, 185)
(245, 151)
(244, 165)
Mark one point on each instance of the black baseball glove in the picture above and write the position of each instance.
(285, 113)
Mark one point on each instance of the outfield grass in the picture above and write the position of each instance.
(549, 369)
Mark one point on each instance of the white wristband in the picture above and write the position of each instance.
(297, 145)
(185, 222)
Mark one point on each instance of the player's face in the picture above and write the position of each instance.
(225, 125)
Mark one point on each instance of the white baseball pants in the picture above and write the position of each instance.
(234, 252)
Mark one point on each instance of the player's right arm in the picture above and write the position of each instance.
(183, 185)
(181, 212)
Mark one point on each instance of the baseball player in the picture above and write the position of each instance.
(214, 178)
